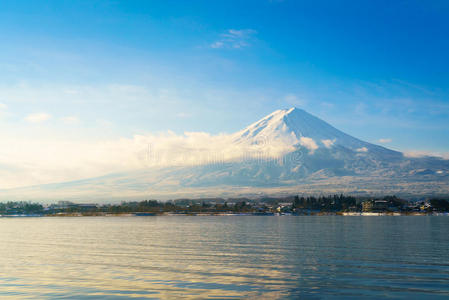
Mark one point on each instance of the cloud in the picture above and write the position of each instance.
(42, 160)
(70, 119)
(234, 39)
(3, 106)
(424, 153)
(37, 117)
(328, 143)
(385, 141)
(309, 143)
(363, 149)
(217, 45)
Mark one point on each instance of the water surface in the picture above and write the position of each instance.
(226, 257)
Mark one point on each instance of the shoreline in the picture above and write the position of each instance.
(202, 214)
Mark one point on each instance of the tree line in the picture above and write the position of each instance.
(332, 203)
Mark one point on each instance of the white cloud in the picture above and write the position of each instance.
(48, 159)
(328, 143)
(217, 45)
(385, 141)
(309, 143)
(37, 117)
(424, 153)
(70, 119)
(363, 149)
(3, 106)
(234, 39)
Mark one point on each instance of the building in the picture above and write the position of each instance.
(374, 205)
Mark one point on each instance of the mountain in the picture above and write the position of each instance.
(289, 151)
(299, 128)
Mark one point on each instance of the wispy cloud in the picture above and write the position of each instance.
(37, 117)
(385, 141)
(328, 143)
(424, 153)
(234, 39)
(362, 150)
(38, 161)
(309, 143)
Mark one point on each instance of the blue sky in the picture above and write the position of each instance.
(378, 70)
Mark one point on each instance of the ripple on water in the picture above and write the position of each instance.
(224, 257)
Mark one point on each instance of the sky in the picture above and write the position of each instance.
(80, 81)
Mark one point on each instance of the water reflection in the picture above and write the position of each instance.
(224, 257)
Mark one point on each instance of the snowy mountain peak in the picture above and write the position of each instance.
(280, 114)
(296, 127)
(273, 128)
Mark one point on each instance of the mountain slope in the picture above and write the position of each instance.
(293, 124)
(312, 156)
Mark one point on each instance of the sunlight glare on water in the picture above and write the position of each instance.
(224, 257)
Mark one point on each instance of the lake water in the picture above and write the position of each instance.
(225, 257)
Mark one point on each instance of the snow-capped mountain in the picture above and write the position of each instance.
(297, 127)
(304, 155)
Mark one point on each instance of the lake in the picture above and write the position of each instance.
(225, 257)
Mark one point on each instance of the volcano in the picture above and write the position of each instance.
(312, 157)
